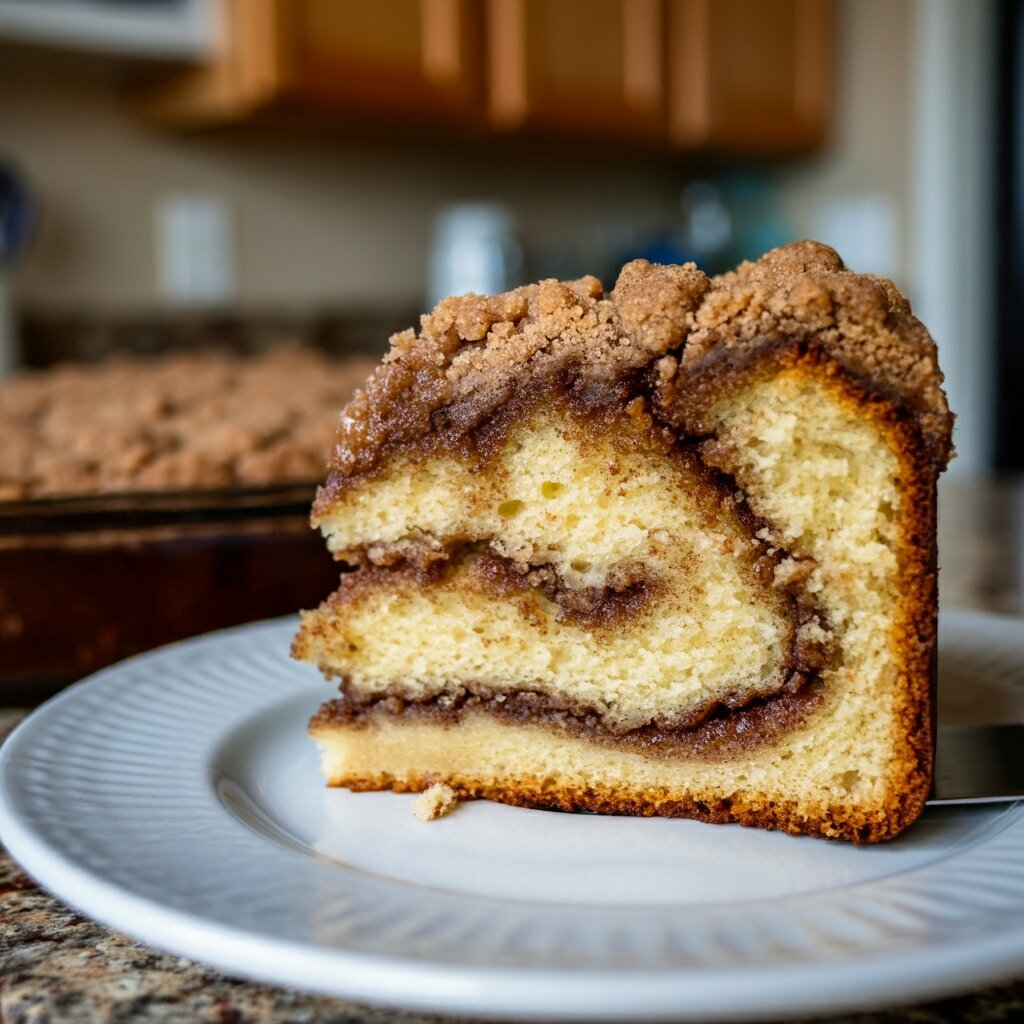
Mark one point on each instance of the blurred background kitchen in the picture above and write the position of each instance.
(234, 174)
(262, 166)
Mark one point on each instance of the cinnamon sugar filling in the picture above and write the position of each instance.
(591, 567)
(722, 734)
(628, 598)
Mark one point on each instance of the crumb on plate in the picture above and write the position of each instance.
(435, 802)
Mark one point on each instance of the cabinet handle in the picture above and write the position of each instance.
(509, 99)
(642, 53)
(440, 52)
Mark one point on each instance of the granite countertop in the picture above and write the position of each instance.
(57, 967)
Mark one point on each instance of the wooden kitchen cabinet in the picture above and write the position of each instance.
(752, 76)
(576, 66)
(740, 75)
(749, 75)
(398, 60)
(401, 57)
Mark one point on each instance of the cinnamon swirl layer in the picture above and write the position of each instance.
(588, 563)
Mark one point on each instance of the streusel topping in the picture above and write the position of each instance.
(658, 326)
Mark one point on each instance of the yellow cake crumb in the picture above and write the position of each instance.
(435, 802)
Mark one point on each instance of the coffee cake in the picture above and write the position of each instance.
(668, 549)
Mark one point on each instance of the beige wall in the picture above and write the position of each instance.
(914, 128)
(872, 138)
(319, 221)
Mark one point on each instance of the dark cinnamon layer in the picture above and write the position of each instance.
(615, 607)
(724, 733)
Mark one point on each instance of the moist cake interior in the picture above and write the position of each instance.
(630, 553)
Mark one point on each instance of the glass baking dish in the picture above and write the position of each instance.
(87, 581)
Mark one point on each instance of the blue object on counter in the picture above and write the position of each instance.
(18, 216)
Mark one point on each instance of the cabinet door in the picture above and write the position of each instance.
(400, 57)
(243, 76)
(749, 75)
(576, 66)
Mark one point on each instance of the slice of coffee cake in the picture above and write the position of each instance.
(666, 550)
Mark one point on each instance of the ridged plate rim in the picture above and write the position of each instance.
(107, 799)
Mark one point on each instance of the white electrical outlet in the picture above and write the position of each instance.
(195, 256)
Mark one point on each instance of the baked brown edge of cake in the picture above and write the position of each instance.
(917, 550)
(785, 816)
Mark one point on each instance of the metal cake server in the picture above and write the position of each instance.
(978, 764)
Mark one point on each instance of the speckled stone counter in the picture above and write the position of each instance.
(57, 967)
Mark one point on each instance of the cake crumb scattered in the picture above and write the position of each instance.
(435, 802)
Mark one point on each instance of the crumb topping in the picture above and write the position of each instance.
(657, 328)
(193, 420)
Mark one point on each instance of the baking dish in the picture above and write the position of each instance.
(87, 581)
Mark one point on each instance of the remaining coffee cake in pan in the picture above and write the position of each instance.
(664, 550)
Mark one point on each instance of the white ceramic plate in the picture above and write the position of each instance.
(176, 797)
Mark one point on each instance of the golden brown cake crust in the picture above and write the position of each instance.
(782, 816)
(658, 329)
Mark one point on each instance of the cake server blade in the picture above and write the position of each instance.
(978, 764)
